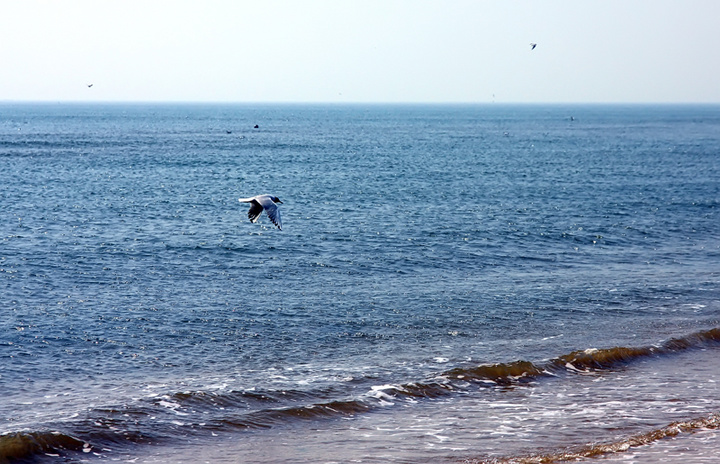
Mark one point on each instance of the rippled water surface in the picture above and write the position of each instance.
(452, 283)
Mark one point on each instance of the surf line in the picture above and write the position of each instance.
(596, 450)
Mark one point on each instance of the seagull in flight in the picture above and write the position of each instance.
(264, 202)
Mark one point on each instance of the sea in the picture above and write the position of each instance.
(452, 283)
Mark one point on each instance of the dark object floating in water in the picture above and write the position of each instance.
(264, 202)
(256, 127)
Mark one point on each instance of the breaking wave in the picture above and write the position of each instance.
(24, 446)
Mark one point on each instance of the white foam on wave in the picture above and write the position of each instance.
(172, 405)
(378, 392)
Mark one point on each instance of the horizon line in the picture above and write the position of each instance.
(356, 103)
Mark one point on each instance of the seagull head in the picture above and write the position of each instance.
(276, 200)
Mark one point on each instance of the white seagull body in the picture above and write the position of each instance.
(264, 202)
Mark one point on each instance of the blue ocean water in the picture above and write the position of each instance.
(452, 263)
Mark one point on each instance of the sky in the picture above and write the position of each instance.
(350, 51)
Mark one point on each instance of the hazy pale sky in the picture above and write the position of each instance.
(360, 50)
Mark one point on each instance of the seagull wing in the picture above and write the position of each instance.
(255, 210)
(271, 209)
(274, 214)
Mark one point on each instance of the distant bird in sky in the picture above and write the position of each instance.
(532, 46)
(264, 202)
(90, 85)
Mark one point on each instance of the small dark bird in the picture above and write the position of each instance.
(264, 202)
(532, 46)
(256, 127)
(90, 85)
